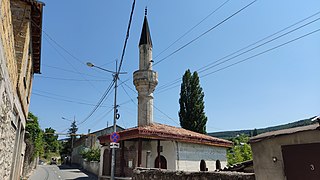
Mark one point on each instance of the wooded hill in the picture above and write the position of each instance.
(249, 132)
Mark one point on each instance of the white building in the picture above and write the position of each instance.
(154, 145)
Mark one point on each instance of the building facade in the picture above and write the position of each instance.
(153, 145)
(287, 154)
(89, 141)
(20, 52)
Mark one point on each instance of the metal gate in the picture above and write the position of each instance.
(301, 161)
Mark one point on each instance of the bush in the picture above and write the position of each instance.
(91, 154)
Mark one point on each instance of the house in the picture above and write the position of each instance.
(153, 145)
(20, 54)
(287, 154)
(89, 141)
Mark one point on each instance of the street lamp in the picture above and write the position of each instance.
(66, 119)
(115, 110)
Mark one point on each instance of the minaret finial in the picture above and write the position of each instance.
(146, 11)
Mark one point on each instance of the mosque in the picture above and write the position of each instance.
(154, 145)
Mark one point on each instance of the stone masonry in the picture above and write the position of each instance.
(154, 174)
(16, 74)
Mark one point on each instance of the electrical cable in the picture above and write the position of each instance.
(258, 54)
(204, 33)
(65, 100)
(66, 79)
(211, 13)
(127, 37)
(213, 64)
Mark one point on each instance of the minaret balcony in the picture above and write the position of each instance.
(145, 77)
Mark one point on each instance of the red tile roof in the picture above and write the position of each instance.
(165, 132)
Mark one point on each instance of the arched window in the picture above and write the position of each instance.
(203, 166)
(163, 162)
(218, 165)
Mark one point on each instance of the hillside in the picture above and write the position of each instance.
(231, 134)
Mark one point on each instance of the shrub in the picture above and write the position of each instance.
(91, 154)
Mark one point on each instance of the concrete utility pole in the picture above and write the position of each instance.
(115, 109)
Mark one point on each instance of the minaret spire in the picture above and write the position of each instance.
(145, 37)
(145, 79)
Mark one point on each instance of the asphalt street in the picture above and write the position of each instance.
(54, 172)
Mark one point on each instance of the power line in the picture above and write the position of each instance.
(65, 100)
(215, 63)
(63, 57)
(261, 40)
(271, 40)
(263, 52)
(99, 103)
(215, 26)
(69, 71)
(258, 54)
(55, 42)
(211, 13)
(66, 79)
(127, 36)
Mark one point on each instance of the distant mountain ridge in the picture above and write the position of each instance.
(230, 134)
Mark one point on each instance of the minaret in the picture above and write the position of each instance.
(145, 79)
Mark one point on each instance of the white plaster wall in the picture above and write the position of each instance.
(169, 152)
(189, 156)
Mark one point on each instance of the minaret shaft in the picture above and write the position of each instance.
(145, 79)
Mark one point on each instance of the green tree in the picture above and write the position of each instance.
(241, 150)
(33, 138)
(50, 139)
(254, 132)
(73, 130)
(191, 114)
(67, 146)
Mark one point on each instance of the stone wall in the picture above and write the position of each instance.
(91, 166)
(13, 106)
(154, 174)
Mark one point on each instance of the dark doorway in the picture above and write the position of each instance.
(301, 161)
(203, 166)
(218, 165)
(163, 162)
(106, 162)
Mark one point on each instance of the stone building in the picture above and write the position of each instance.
(153, 145)
(20, 53)
(287, 154)
(89, 141)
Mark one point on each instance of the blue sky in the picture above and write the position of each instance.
(276, 87)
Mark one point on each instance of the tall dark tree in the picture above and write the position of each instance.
(68, 146)
(191, 114)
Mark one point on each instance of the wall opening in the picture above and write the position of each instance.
(218, 165)
(203, 166)
(163, 162)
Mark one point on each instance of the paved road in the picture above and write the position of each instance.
(53, 172)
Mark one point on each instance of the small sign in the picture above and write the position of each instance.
(114, 145)
(115, 137)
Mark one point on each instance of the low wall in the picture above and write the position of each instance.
(154, 174)
(91, 166)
